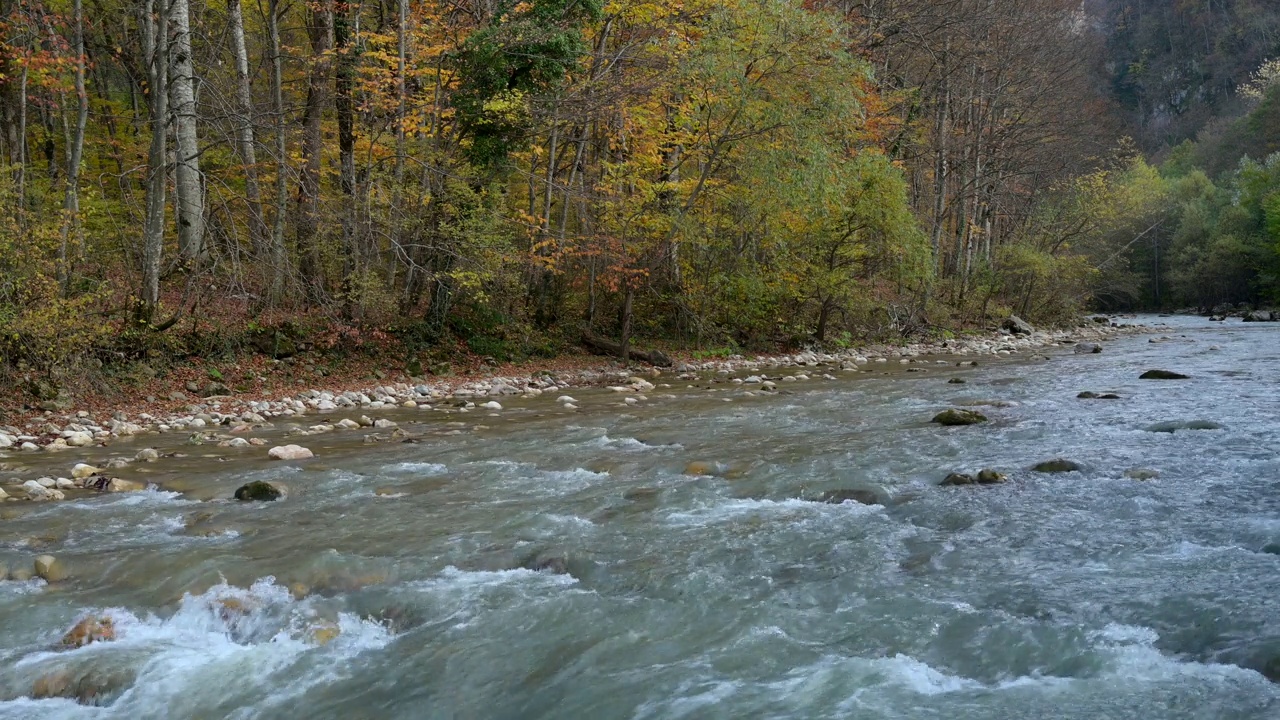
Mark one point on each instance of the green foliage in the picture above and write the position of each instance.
(526, 47)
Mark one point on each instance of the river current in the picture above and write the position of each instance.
(545, 562)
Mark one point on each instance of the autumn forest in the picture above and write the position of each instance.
(505, 179)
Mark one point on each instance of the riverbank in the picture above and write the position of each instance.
(51, 431)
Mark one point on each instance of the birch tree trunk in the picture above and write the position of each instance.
(188, 188)
(244, 133)
(278, 256)
(155, 31)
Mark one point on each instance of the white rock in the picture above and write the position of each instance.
(78, 439)
(3, 494)
(5, 441)
(83, 470)
(147, 455)
(492, 405)
(788, 378)
(238, 443)
(384, 423)
(570, 406)
(348, 424)
(565, 399)
(326, 405)
(65, 484)
(630, 400)
(36, 491)
(47, 482)
(29, 446)
(289, 452)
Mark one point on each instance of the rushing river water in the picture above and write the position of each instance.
(561, 564)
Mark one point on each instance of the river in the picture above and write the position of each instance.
(545, 562)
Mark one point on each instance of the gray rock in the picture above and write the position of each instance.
(1017, 325)
(987, 476)
(957, 479)
(1087, 348)
(956, 416)
(1057, 465)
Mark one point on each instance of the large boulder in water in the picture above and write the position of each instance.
(90, 629)
(262, 491)
(289, 452)
(50, 569)
(1162, 375)
(957, 416)
(1057, 465)
(1017, 325)
(1260, 316)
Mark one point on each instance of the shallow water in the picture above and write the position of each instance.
(661, 595)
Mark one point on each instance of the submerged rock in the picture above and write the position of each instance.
(1057, 465)
(956, 416)
(1141, 474)
(1088, 395)
(50, 568)
(956, 479)
(1085, 348)
(1172, 426)
(957, 381)
(1162, 375)
(289, 452)
(262, 491)
(844, 495)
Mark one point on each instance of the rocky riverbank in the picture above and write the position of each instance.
(213, 418)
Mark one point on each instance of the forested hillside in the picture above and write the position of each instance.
(429, 178)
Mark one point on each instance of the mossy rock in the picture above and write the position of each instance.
(261, 491)
(1057, 465)
(957, 479)
(987, 476)
(956, 416)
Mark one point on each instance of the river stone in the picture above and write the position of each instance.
(1162, 375)
(103, 483)
(956, 416)
(1141, 474)
(38, 492)
(49, 568)
(147, 455)
(1259, 316)
(262, 491)
(1088, 395)
(1057, 465)
(89, 630)
(289, 452)
(1172, 426)
(987, 476)
(956, 479)
(1271, 548)
(1017, 325)
(702, 467)
(957, 381)
(83, 470)
(839, 497)
(1087, 348)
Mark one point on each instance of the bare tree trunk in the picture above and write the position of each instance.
(188, 190)
(75, 152)
(278, 256)
(320, 31)
(22, 141)
(344, 105)
(155, 31)
(244, 133)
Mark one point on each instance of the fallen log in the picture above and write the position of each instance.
(600, 346)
